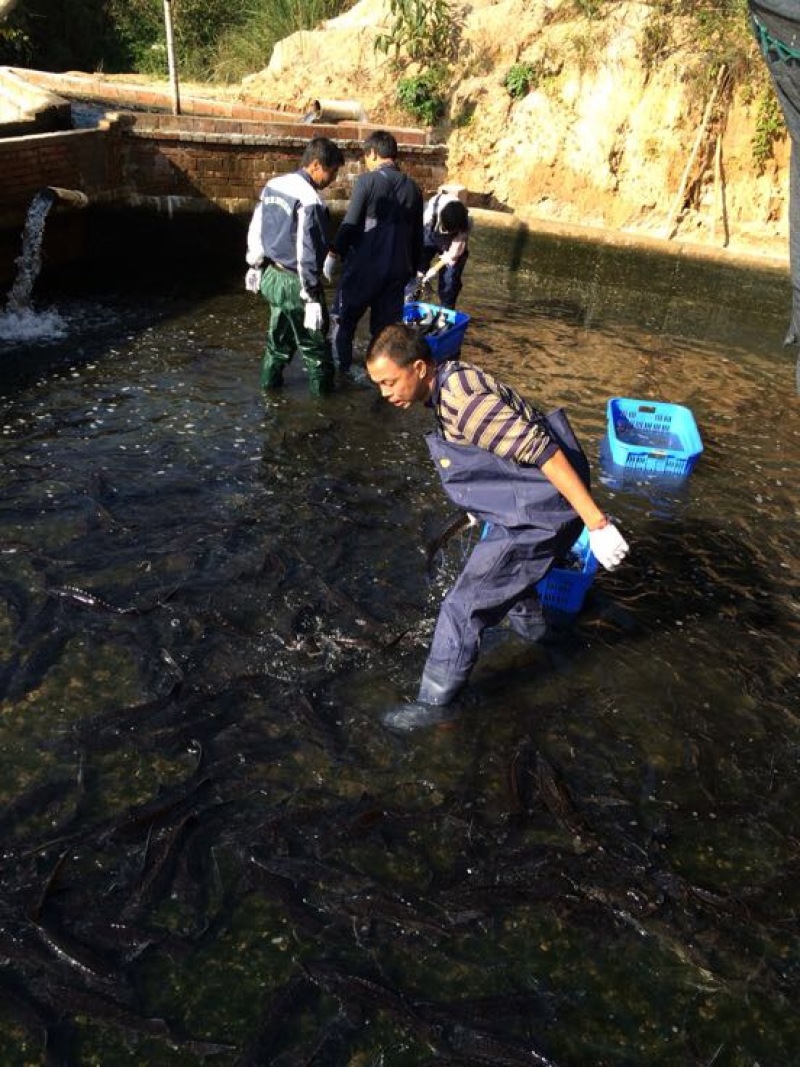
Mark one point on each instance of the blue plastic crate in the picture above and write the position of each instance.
(564, 589)
(447, 343)
(651, 437)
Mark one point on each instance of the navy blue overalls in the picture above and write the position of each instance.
(378, 266)
(531, 526)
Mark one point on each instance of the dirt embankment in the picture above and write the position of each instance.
(600, 140)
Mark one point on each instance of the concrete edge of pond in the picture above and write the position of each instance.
(746, 259)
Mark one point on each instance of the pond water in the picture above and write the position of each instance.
(212, 850)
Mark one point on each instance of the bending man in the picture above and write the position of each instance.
(506, 463)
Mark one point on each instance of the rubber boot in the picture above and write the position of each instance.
(271, 373)
(320, 386)
(438, 689)
(431, 708)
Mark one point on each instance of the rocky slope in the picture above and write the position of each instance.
(602, 139)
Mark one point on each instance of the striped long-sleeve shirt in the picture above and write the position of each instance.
(472, 407)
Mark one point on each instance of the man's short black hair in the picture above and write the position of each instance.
(324, 151)
(401, 343)
(382, 143)
(453, 218)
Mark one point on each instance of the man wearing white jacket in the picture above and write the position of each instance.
(287, 242)
(446, 229)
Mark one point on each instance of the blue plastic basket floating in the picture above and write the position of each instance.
(447, 343)
(564, 589)
(651, 437)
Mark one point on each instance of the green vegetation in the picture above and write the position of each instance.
(770, 126)
(520, 79)
(214, 39)
(424, 31)
(421, 97)
(14, 47)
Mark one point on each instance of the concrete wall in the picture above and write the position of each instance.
(29, 108)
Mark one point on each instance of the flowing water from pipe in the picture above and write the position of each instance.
(19, 320)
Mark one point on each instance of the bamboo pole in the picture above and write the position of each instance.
(173, 69)
(673, 217)
(720, 206)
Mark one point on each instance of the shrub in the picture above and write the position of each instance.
(520, 79)
(770, 126)
(425, 30)
(420, 96)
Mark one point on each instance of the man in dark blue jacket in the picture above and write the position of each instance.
(287, 243)
(379, 244)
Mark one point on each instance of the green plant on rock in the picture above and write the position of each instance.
(423, 30)
(656, 42)
(464, 115)
(520, 79)
(770, 127)
(590, 9)
(420, 97)
(15, 47)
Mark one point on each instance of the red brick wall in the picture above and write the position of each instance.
(229, 161)
(77, 159)
(202, 162)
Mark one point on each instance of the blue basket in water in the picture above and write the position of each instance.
(651, 437)
(446, 342)
(565, 587)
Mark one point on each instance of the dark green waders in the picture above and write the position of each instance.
(287, 334)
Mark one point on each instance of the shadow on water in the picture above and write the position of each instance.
(213, 853)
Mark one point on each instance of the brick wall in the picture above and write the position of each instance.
(179, 164)
(227, 162)
(78, 159)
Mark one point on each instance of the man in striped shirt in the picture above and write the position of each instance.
(509, 465)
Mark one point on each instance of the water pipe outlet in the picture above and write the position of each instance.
(73, 197)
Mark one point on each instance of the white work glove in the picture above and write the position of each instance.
(428, 277)
(330, 266)
(313, 317)
(608, 545)
(252, 280)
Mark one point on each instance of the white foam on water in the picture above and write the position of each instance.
(24, 324)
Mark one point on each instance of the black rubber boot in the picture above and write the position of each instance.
(271, 374)
(403, 718)
(322, 386)
(438, 689)
(431, 708)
